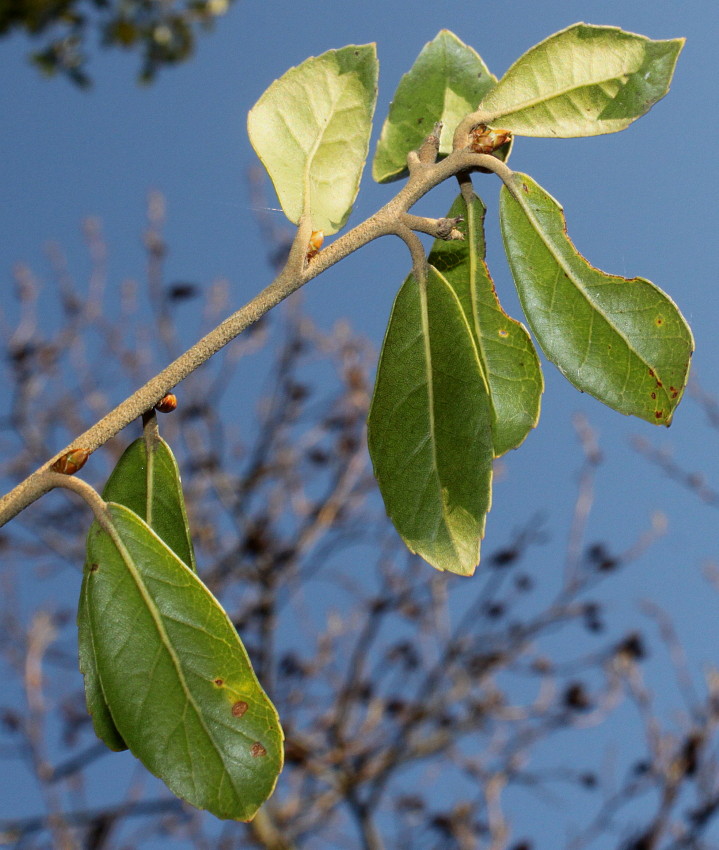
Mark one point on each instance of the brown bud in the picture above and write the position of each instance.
(484, 139)
(167, 403)
(315, 243)
(71, 461)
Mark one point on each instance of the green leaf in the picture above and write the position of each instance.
(505, 349)
(146, 479)
(97, 706)
(311, 129)
(623, 341)
(178, 680)
(582, 81)
(148, 482)
(429, 427)
(446, 82)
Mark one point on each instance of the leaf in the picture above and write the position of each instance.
(147, 482)
(146, 479)
(505, 349)
(446, 82)
(429, 427)
(582, 81)
(97, 706)
(175, 674)
(623, 341)
(311, 130)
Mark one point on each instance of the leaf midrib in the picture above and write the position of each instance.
(424, 316)
(335, 98)
(474, 261)
(149, 480)
(538, 101)
(424, 313)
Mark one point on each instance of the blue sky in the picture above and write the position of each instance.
(641, 202)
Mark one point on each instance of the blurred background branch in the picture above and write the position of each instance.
(420, 710)
(161, 32)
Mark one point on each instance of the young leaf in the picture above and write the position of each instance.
(147, 482)
(623, 341)
(582, 81)
(176, 676)
(429, 427)
(311, 130)
(505, 349)
(447, 81)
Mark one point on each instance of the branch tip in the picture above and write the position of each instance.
(429, 150)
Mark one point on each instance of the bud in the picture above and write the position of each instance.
(315, 243)
(484, 139)
(71, 461)
(167, 403)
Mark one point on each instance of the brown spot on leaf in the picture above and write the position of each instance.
(94, 568)
(219, 682)
(651, 373)
(525, 187)
(257, 750)
(239, 708)
(658, 414)
(673, 392)
(659, 320)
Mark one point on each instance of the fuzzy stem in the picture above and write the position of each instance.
(297, 272)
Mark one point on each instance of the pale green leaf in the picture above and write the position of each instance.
(624, 341)
(505, 349)
(582, 81)
(429, 427)
(311, 129)
(146, 480)
(446, 82)
(175, 674)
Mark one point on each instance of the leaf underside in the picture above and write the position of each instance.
(311, 130)
(582, 81)
(622, 340)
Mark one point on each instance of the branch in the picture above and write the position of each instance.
(297, 272)
(266, 833)
(16, 830)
